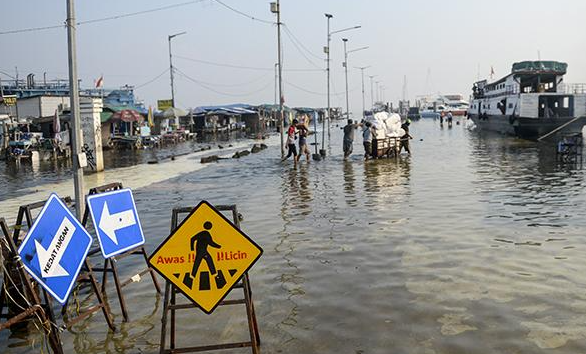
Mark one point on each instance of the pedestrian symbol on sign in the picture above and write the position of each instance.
(205, 256)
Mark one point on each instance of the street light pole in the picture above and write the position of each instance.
(276, 9)
(371, 91)
(323, 133)
(346, 52)
(171, 70)
(345, 40)
(363, 102)
(74, 109)
(327, 50)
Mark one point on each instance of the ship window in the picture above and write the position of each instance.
(510, 105)
(489, 106)
(566, 102)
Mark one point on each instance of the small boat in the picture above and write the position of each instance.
(532, 102)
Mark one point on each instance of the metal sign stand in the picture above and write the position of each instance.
(33, 304)
(86, 275)
(110, 263)
(170, 303)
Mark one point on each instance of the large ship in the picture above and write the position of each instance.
(531, 102)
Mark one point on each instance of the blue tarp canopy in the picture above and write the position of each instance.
(231, 109)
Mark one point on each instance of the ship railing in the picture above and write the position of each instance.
(572, 88)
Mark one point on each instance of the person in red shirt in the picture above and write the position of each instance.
(291, 137)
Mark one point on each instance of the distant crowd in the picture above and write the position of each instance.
(299, 130)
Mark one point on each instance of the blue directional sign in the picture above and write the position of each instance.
(116, 221)
(55, 248)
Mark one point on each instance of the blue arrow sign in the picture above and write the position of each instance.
(55, 248)
(116, 221)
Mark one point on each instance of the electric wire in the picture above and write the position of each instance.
(241, 66)
(257, 79)
(287, 29)
(314, 92)
(203, 85)
(300, 50)
(5, 73)
(152, 80)
(102, 19)
(243, 13)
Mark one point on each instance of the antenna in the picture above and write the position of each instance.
(404, 87)
(478, 73)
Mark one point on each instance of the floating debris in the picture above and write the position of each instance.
(208, 159)
(528, 243)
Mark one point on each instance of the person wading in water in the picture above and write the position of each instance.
(303, 132)
(291, 136)
(349, 137)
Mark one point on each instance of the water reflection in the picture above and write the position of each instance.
(349, 181)
(521, 180)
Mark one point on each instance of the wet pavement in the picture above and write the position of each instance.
(474, 244)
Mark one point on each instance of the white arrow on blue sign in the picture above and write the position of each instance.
(116, 221)
(55, 248)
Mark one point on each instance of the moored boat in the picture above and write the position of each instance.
(531, 102)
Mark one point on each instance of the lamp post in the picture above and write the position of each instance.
(371, 90)
(327, 51)
(346, 52)
(171, 67)
(276, 9)
(363, 103)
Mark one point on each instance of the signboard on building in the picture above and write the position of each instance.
(8, 100)
(164, 104)
(205, 256)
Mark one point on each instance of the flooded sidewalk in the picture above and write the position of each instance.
(472, 245)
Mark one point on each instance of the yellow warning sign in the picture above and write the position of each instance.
(205, 256)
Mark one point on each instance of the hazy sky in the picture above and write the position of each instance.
(438, 45)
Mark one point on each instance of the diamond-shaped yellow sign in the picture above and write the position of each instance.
(205, 256)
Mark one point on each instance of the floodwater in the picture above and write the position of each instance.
(475, 244)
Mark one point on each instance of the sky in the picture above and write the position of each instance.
(435, 46)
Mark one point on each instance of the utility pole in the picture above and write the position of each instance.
(74, 109)
(363, 102)
(171, 69)
(329, 118)
(276, 9)
(276, 81)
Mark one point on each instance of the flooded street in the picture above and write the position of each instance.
(475, 244)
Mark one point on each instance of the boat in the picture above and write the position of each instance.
(442, 104)
(531, 102)
(456, 104)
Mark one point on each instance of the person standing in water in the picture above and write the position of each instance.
(406, 137)
(349, 137)
(450, 118)
(291, 136)
(367, 139)
(303, 132)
